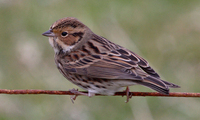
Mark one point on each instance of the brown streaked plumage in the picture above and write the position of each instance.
(96, 64)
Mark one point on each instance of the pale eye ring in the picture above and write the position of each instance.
(64, 34)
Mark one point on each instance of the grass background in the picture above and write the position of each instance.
(165, 32)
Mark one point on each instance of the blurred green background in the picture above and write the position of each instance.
(165, 32)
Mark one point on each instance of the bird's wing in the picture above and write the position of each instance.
(116, 64)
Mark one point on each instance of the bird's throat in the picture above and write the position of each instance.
(59, 45)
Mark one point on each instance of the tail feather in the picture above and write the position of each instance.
(157, 84)
(156, 88)
(171, 85)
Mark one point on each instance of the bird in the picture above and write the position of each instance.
(98, 65)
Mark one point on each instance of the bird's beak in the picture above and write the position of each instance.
(49, 33)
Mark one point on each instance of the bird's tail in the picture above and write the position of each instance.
(157, 84)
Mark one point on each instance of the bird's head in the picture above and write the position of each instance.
(67, 34)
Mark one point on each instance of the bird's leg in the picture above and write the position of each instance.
(128, 95)
(76, 93)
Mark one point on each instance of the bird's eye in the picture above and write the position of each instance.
(64, 34)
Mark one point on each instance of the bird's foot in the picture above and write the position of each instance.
(128, 94)
(77, 93)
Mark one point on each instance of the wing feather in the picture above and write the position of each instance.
(115, 63)
(106, 68)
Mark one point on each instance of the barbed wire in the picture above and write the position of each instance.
(56, 92)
